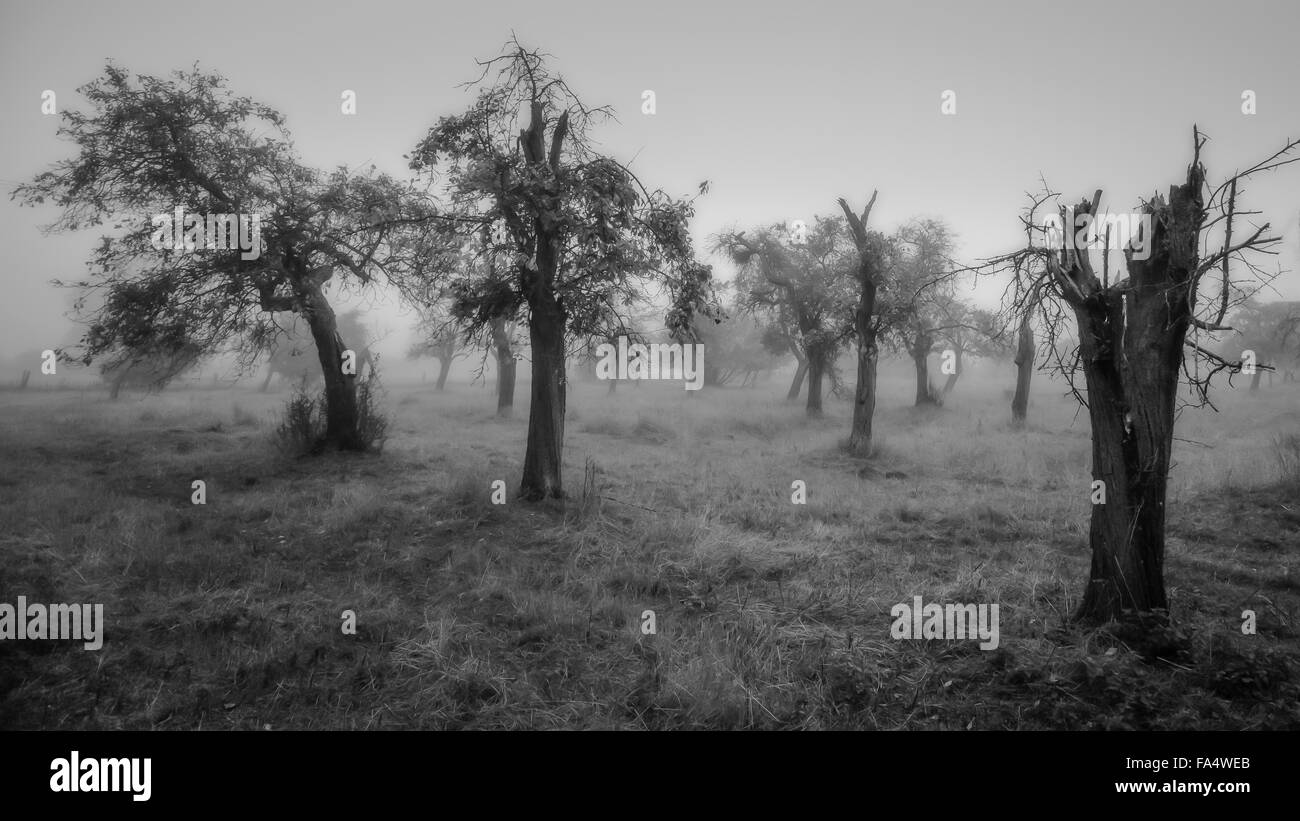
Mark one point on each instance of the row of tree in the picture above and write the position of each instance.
(512, 216)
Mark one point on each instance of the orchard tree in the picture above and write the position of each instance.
(780, 336)
(580, 232)
(1269, 330)
(799, 276)
(438, 335)
(735, 349)
(1141, 327)
(917, 314)
(871, 268)
(444, 272)
(967, 332)
(1024, 358)
(143, 367)
(292, 351)
(151, 145)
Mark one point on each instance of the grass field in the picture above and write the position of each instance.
(768, 614)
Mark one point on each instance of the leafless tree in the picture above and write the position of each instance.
(1140, 328)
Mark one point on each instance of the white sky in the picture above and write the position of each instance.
(783, 106)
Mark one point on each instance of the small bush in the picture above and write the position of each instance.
(302, 429)
(243, 418)
(303, 424)
(372, 425)
(1286, 450)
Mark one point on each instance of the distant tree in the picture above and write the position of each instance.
(781, 336)
(801, 278)
(968, 332)
(505, 344)
(918, 309)
(1139, 329)
(734, 349)
(875, 259)
(151, 145)
(293, 355)
(438, 335)
(579, 230)
(140, 367)
(1025, 355)
(1270, 331)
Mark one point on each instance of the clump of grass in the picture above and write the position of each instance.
(651, 431)
(243, 418)
(589, 500)
(607, 426)
(302, 425)
(1286, 450)
(302, 428)
(372, 425)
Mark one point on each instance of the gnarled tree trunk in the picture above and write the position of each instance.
(799, 373)
(120, 379)
(951, 381)
(1131, 405)
(1131, 348)
(341, 413)
(444, 367)
(506, 367)
(920, 352)
(543, 460)
(1024, 371)
(816, 370)
(868, 274)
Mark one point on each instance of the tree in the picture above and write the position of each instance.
(800, 278)
(141, 367)
(293, 355)
(438, 336)
(150, 146)
(781, 336)
(580, 230)
(1269, 331)
(1025, 354)
(968, 331)
(735, 349)
(874, 259)
(504, 343)
(917, 312)
(1135, 332)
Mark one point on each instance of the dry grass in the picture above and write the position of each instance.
(769, 614)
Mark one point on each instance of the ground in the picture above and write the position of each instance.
(768, 614)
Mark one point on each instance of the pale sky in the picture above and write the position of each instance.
(782, 106)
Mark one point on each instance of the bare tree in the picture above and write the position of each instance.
(869, 271)
(1138, 330)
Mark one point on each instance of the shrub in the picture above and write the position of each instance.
(371, 423)
(302, 429)
(303, 424)
(1286, 450)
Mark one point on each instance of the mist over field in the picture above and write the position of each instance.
(782, 394)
